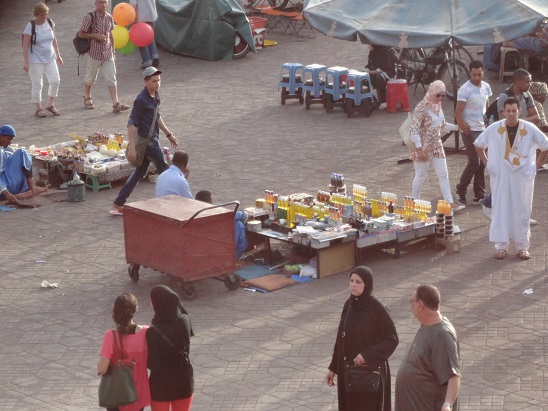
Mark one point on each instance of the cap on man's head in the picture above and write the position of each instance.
(151, 71)
(7, 130)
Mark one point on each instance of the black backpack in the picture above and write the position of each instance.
(33, 32)
(81, 45)
(492, 109)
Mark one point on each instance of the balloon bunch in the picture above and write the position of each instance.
(126, 41)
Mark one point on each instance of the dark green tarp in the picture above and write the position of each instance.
(201, 28)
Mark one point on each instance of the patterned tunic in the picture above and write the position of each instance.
(428, 125)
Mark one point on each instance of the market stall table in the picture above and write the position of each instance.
(335, 253)
(395, 239)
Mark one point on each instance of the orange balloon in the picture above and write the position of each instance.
(124, 14)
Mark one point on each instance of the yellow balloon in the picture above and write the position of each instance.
(123, 14)
(121, 36)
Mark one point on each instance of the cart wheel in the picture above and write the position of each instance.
(307, 100)
(241, 48)
(232, 281)
(300, 94)
(133, 271)
(284, 95)
(188, 292)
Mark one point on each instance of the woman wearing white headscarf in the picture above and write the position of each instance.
(427, 124)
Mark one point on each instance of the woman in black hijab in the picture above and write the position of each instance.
(171, 376)
(366, 336)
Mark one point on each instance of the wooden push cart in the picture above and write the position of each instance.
(180, 237)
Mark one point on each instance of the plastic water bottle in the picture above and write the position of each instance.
(491, 119)
(75, 177)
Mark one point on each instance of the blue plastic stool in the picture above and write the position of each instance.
(335, 88)
(359, 95)
(291, 82)
(314, 84)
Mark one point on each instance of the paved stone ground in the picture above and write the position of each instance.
(251, 351)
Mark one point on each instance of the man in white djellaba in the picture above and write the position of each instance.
(512, 165)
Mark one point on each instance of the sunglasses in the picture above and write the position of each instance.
(440, 95)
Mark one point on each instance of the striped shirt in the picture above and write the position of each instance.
(102, 24)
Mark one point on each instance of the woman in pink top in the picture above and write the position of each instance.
(134, 346)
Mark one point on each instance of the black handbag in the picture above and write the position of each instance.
(361, 379)
(117, 386)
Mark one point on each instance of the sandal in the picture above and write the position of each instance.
(501, 254)
(119, 107)
(40, 113)
(53, 110)
(88, 103)
(524, 254)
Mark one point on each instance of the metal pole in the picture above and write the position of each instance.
(455, 89)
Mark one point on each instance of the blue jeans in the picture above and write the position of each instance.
(153, 155)
(474, 169)
(149, 52)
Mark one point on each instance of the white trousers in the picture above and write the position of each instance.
(421, 171)
(36, 74)
(517, 246)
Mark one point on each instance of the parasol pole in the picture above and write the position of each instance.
(455, 88)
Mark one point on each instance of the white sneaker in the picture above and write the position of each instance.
(532, 222)
(382, 106)
(457, 207)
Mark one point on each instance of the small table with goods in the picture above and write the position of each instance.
(100, 159)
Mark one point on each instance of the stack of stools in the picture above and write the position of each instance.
(445, 235)
(359, 95)
(335, 88)
(314, 84)
(397, 92)
(291, 82)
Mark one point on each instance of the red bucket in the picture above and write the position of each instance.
(258, 29)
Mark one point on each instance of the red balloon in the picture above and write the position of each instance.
(141, 34)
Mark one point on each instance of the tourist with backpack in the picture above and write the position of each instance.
(97, 27)
(41, 56)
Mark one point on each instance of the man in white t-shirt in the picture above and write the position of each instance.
(472, 102)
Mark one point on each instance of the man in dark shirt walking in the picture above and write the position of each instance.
(144, 123)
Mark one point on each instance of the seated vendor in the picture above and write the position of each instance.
(381, 64)
(174, 179)
(536, 44)
(240, 218)
(16, 180)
